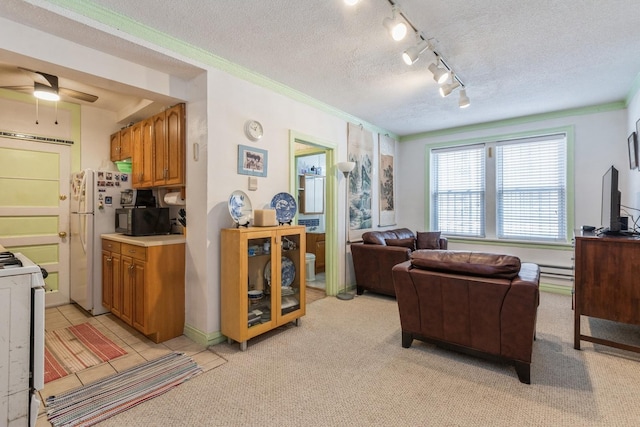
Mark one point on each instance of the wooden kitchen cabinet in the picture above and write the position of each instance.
(142, 158)
(121, 143)
(315, 245)
(270, 259)
(168, 136)
(158, 150)
(147, 286)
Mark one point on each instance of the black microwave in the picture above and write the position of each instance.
(143, 221)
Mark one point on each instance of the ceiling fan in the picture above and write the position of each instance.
(48, 84)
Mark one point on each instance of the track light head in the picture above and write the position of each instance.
(464, 101)
(446, 89)
(395, 26)
(351, 2)
(440, 74)
(412, 54)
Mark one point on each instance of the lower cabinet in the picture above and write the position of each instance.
(144, 286)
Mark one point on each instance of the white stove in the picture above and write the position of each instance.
(22, 338)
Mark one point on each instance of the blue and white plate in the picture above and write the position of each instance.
(288, 271)
(285, 206)
(240, 207)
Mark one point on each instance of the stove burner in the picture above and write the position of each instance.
(9, 260)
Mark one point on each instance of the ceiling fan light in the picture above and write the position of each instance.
(464, 101)
(45, 92)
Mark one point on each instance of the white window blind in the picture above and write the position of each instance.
(531, 189)
(458, 191)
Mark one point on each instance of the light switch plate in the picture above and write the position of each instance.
(253, 183)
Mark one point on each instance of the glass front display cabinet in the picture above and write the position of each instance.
(263, 280)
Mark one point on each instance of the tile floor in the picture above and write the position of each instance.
(319, 282)
(139, 350)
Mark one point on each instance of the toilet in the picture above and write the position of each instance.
(310, 266)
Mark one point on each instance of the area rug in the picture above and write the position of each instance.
(76, 348)
(97, 401)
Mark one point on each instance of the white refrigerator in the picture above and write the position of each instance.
(95, 196)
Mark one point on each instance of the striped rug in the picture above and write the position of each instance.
(76, 348)
(97, 401)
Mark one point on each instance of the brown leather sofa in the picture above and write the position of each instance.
(478, 303)
(379, 251)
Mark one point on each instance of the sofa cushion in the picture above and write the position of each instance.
(465, 262)
(428, 240)
(379, 237)
(409, 242)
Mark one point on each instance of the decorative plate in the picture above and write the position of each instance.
(288, 271)
(240, 207)
(285, 206)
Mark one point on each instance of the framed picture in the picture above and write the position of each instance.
(252, 161)
(632, 141)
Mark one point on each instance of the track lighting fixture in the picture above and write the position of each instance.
(440, 74)
(412, 54)
(464, 101)
(395, 26)
(447, 88)
(398, 25)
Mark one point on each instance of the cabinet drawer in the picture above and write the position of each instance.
(110, 245)
(137, 252)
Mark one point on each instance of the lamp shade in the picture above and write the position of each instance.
(346, 167)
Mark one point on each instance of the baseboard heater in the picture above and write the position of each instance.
(561, 272)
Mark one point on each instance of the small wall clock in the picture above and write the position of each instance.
(253, 130)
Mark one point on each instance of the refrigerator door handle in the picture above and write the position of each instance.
(82, 233)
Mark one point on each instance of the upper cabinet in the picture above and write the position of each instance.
(311, 194)
(121, 145)
(159, 154)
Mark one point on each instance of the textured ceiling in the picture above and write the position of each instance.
(516, 58)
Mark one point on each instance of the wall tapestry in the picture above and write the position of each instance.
(360, 151)
(386, 154)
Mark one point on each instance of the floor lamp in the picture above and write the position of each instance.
(346, 168)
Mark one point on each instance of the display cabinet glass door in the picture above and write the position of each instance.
(291, 278)
(259, 292)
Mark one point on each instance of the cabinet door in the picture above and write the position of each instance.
(107, 279)
(115, 146)
(142, 158)
(290, 274)
(125, 143)
(126, 290)
(116, 301)
(320, 262)
(140, 315)
(174, 145)
(159, 150)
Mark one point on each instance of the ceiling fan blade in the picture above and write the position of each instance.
(40, 77)
(77, 94)
(23, 89)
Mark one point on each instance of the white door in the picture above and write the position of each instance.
(34, 208)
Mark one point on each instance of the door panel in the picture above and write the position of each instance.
(34, 208)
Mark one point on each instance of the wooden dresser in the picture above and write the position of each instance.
(315, 245)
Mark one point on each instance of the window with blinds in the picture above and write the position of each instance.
(458, 190)
(531, 189)
(519, 193)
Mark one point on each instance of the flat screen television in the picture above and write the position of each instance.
(610, 202)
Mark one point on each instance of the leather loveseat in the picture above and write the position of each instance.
(379, 251)
(478, 303)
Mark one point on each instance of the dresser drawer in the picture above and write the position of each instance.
(137, 252)
(110, 245)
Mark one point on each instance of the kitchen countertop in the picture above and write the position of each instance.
(165, 239)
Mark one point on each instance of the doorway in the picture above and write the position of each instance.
(307, 152)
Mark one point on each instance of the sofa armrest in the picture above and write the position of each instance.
(444, 243)
(519, 313)
(373, 263)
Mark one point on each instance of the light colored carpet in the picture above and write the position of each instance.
(344, 365)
